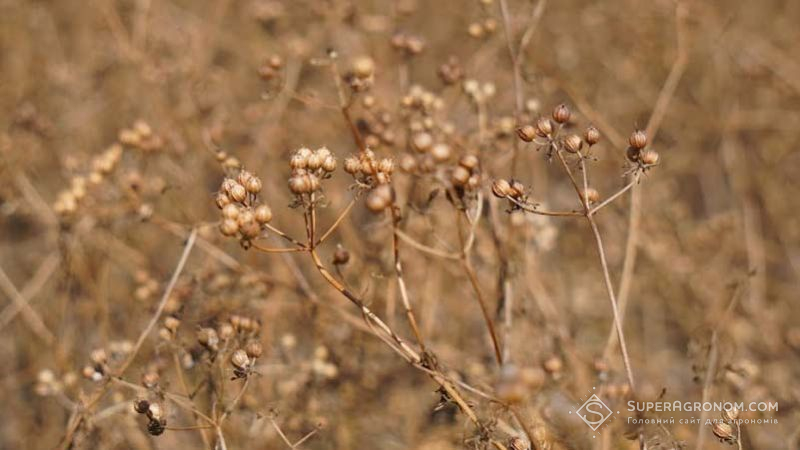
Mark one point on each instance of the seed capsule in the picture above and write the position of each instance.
(238, 192)
(501, 188)
(352, 165)
(441, 152)
(422, 141)
(379, 198)
(329, 165)
(591, 135)
(544, 127)
(253, 185)
(731, 414)
(469, 162)
(207, 337)
(240, 360)
(229, 227)
(253, 349)
(649, 157)
(222, 200)
(638, 139)
(723, 431)
(561, 113)
(341, 256)
(526, 132)
(386, 165)
(460, 176)
(363, 67)
(263, 214)
(591, 195)
(573, 143)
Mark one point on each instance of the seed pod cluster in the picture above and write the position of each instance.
(69, 200)
(271, 70)
(451, 71)
(478, 92)
(242, 216)
(368, 169)
(466, 175)
(409, 44)
(141, 136)
(513, 189)
(309, 168)
(638, 154)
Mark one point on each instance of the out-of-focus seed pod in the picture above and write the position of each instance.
(299, 184)
(509, 387)
(229, 227)
(517, 189)
(422, 141)
(172, 323)
(724, 431)
(591, 195)
(649, 157)
(379, 198)
(408, 163)
(263, 214)
(591, 135)
(240, 360)
(527, 133)
(386, 165)
(553, 365)
(475, 30)
(222, 200)
(363, 67)
(329, 165)
(207, 337)
(250, 230)
(460, 176)
(298, 161)
(150, 379)
(573, 143)
(731, 414)
(561, 113)
(638, 139)
(341, 256)
(253, 349)
(469, 162)
(544, 127)
(243, 177)
(230, 211)
(441, 152)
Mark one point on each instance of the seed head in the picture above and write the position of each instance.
(638, 139)
(731, 414)
(441, 152)
(501, 188)
(561, 113)
(469, 162)
(649, 157)
(573, 143)
(341, 256)
(222, 200)
(363, 67)
(238, 193)
(591, 135)
(229, 227)
(591, 195)
(460, 176)
(352, 165)
(379, 198)
(544, 127)
(253, 349)
(263, 214)
(526, 132)
(240, 360)
(422, 141)
(253, 185)
(724, 431)
(329, 165)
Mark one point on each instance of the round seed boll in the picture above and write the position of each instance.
(238, 193)
(253, 349)
(638, 139)
(591, 135)
(527, 133)
(263, 214)
(544, 127)
(573, 143)
(591, 195)
(253, 185)
(649, 157)
(441, 152)
(561, 113)
(469, 162)
(229, 227)
(239, 359)
(501, 188)
(460, 176)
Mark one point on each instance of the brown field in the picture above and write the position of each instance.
(398, 224)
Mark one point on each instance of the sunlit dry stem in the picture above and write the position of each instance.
(398, 268)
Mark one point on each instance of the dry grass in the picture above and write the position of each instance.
(408, 306)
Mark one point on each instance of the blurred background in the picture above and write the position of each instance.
(711, 298)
